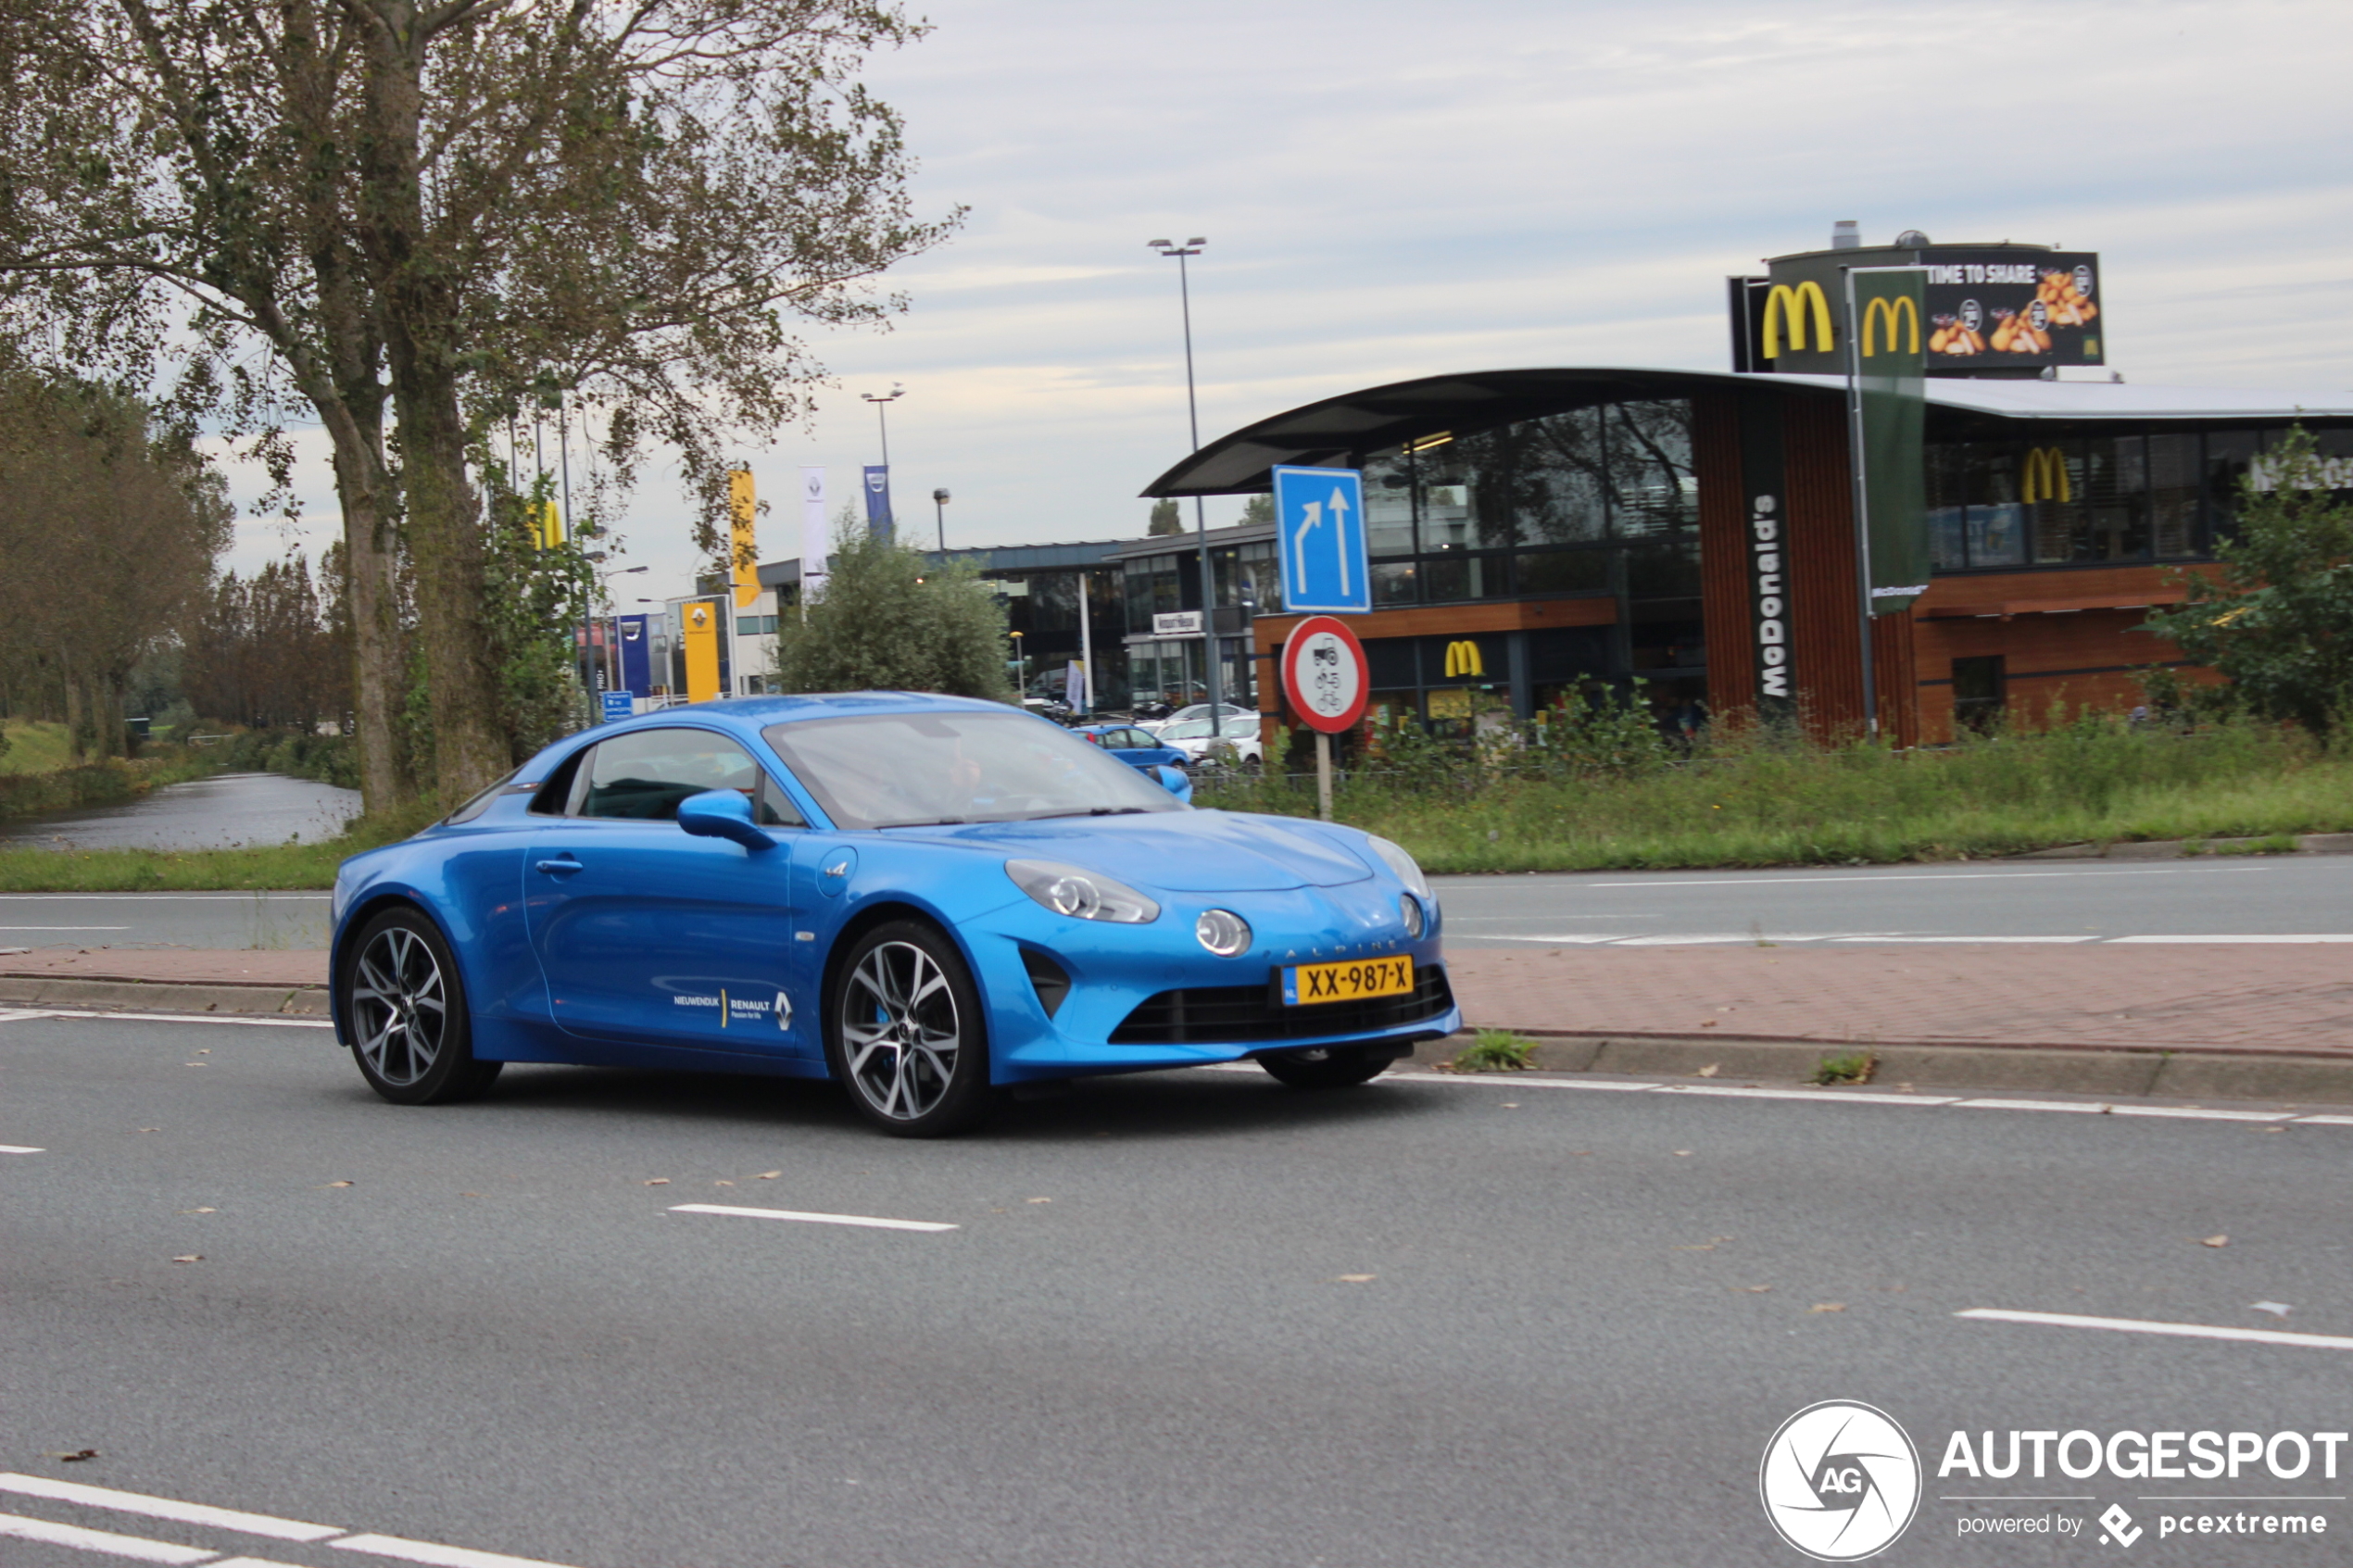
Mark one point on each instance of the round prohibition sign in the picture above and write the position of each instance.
(1324, 675)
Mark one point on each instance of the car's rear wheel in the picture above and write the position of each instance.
(1333, 1067)
(405, 1011)
(904, 1034)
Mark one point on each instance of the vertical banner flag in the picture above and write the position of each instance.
(636, 655)
(1890, 368)
(815, 537)
(547, 527)
(744, 552)
(879, 501)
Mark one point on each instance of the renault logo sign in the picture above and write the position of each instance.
(1462, 659)
(2045, 477)
(1796, 302)
(1894, 312)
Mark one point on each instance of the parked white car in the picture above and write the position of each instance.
(1238, 741)
(1200, 710)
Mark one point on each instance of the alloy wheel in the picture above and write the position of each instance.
(900, 1031)
(399, 1007)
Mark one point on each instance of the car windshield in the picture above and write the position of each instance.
(911, 770)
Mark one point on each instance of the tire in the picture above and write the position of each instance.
(904, 1034)
(403, 1010)
(1335, 1067)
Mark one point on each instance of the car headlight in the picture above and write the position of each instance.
(1402, 863)
(1223, 933)
(1409, 909)
(1081, 894)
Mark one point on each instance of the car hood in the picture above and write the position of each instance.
(1180, 851)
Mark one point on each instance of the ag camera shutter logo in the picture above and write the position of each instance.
(1839, 1481)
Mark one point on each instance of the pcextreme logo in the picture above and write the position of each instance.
(1796, 302)
(2045, 477)
(1839, 1481)
(1462, 659)
(1894, 312)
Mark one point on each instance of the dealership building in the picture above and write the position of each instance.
(1533, 531)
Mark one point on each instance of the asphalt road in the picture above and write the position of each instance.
(1182, 1318)
(2037, 900)
(2042, 900)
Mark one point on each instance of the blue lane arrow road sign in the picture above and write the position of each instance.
(1319, 526)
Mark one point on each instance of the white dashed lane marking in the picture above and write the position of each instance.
(142, 1550)
(21, 1149)
(2174, 1330)
(865, 1219)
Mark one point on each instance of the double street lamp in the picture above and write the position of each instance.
(1200, 516)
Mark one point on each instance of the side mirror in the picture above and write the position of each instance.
(1175, 781)
(722, 813)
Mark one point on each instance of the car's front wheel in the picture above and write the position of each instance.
(405, 1011)
(1335, 1067)
(904, 1035)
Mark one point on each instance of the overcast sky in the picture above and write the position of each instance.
(1393, 190)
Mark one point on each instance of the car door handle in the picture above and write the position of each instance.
(564, 867)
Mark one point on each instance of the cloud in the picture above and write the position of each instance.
(1393, 190)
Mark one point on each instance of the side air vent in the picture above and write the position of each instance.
(1051, 981)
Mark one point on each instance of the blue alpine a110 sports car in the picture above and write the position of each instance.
(925, 899)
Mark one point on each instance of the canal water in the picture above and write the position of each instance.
(225, 811)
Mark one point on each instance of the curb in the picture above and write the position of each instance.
(2111, 1071)
(2184, 849)
(163, 996)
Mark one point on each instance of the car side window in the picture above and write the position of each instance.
(554, 796)
(1136, 740)
(772, 807)
(643, 776)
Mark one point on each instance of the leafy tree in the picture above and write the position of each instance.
(1166, 520)
(437, 211)
(2276, 621)
(1258, 509)
(891, 621)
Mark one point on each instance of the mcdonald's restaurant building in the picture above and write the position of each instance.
(1533, 531)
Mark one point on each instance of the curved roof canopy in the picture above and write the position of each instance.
(1332, 432)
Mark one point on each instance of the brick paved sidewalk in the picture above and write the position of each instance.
(2251, 998)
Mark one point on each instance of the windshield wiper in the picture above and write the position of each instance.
(926, 823)
(1090, 811)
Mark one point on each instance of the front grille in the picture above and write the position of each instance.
(1214, 1015)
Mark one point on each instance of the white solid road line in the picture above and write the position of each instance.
(1772, 881)
(436, 1554)
(64, 928)
(2334, 937)
(865, 1219)
(167, 1507)
(2093, 1107)
(137, 1547)
(2193, 1112)
(1968, 939)
(1731, 1091)
(2176, 1330)
(259, 1020)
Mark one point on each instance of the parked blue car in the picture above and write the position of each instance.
(1137, 748)
(927, 899)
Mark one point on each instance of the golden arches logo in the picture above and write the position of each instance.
(1462, 659)
(1895, 311)
(2045, 477)
(1796, 302)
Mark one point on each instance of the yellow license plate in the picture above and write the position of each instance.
(1308, 984)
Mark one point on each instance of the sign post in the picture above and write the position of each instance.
(1325, 678)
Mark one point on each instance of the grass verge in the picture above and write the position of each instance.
(1750, 801)
(273, 867)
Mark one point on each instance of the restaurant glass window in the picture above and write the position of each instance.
(1564, 572)
(2115, 523)
(1948, 507)
(1566, 498)
(1992, 480)
(2172, 491)
(2229, 455)
(1395, 582)
(1979, 691)
(1654, 483)
(1455, 578)
(2051, 485)
(1660, 569)
(1388, 505)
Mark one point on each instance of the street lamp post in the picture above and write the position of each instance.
(940, 499)
(1021, 669)
(1200, 516)
(882, 402)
